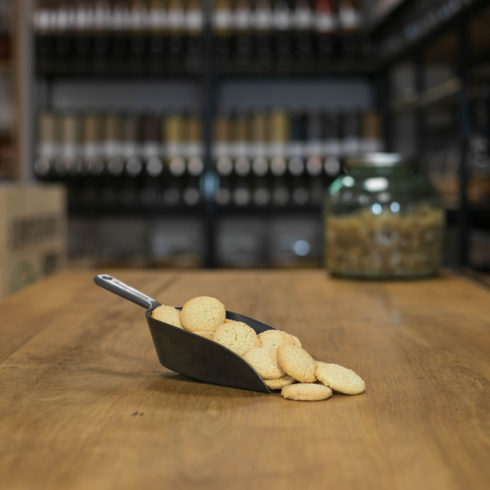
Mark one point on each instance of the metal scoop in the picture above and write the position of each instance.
(187, 353)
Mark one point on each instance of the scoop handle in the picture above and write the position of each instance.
(127, 292)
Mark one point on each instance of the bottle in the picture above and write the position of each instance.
(157, 28)
(174, 137)
(296, 146)
(151, 147)
(49, 148)
(92, 144)
(194, 23)
(331, 143)
(371, 133)
(195, 166)
(194, 146)
(302, 22)
(132, 145)
(70, 161)
(242, 27)
(176, 37)
(262, 36)
(325, 26)
(282, 39)
(240, 143)
(313, 146)
(259, 137)
(137, 43)
(222, 147)
(351, 132)
(350, 19)
(113, 148)
(222, 26)
(83, 25)
(107, 48)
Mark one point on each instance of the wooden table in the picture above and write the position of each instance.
(84, 403)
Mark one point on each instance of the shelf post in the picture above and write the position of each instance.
(464, 135)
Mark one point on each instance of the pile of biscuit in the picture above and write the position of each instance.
(278, 357)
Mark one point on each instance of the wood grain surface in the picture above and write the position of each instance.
(84, 403)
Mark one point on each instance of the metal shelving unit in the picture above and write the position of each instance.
(385, 32)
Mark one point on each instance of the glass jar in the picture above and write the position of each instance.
(383, 221)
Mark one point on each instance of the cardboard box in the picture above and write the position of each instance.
(32, 234)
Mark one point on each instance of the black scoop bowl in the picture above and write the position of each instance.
(189, 354)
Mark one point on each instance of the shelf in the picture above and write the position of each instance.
(382, 12)
(134, 211)
(334, 69)
(420, 24)
(432, 96)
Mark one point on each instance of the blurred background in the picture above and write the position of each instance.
(164, 133)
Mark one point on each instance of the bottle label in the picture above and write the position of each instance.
(157, 19)
(49, 150)
(222, 19)
(103, 19)
(241, 19)
(137, 20)
(221, 149)
(175, 149)
(313, 148)
(194, 149)
(113, 148)
(150, 149)
(130, 149)
(350, 146)
(262, 20)
(349, 18)
(276, 149)
(238, 149)
(71, 151)
(176, 19)
(194, 20)
(93, 150)
(331, 147)
(295, 149)
(84, 19)
(324, 23)
(303, 18)
(256, 150)
(281, 19)
(371, 145)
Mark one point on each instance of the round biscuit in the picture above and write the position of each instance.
(275, 338)
(167, 314)
(279, 383)
(264, 361)
(296, 362)
(339, 378)
(306, 392)
(236, 336)
(202, 314)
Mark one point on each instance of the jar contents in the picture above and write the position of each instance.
(402, 244)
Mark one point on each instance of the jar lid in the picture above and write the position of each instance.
(376, 160)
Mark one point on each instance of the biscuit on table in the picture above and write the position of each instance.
(264, 361)
(306, 392)
(296, 362)
(339, 378)
(236, 336)
(274, 338)
(279, 383)
(202, 314)
(167, 314)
